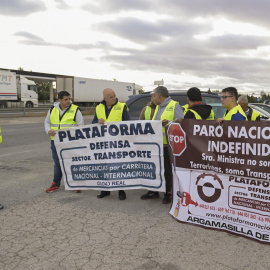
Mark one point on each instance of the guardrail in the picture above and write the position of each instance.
(17, 112)
(40, 111)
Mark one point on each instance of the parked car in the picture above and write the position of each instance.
(264, 114)
(137, 102)
(263, 106)
(267, 101)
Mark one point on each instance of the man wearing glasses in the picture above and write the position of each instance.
(229, 101)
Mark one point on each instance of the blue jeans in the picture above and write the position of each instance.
(57, 169)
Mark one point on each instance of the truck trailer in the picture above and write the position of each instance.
(16, 88)
(88, 92)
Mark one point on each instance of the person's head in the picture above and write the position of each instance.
(152, 103)
(64, 99)
(243, 102)
(194, 95)
(160, 94)
(229, 97)
(109, 96)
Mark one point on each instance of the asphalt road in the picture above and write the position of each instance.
(66, 230)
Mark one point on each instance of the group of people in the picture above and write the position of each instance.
(64, 114)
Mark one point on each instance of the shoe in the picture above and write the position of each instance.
(150, 195)
(1, 206)
(122, 195)
(78, 191)
(52, 188)
(167, 198)
(103, 194)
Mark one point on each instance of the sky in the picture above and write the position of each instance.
(202, 43)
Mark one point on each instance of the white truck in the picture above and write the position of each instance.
(16, 88)
(88, 92)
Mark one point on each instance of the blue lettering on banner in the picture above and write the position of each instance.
(101, 130)
(114, 171)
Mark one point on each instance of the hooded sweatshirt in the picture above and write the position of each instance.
(202, 109)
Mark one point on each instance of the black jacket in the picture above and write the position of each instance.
(202, 109)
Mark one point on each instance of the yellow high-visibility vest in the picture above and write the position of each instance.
(67, 120)
(233, 111)
(115, 113)
(254, 115)
(185, 108)
(147, 113)
(198, 117)
(167, 114)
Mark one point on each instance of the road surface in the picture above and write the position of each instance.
(66, 230)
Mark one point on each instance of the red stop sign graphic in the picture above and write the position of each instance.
(177, 138)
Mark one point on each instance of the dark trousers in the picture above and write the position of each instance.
(167, 169)
(57, 176)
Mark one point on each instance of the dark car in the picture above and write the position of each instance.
(137, 102)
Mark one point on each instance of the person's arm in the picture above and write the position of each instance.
(47, 122)
(142, 116)
(238, 117)
(79, 118)
(99, 121)
(220, 120)
(47, 125)
(178, 112)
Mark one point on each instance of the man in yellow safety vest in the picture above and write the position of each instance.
(250, 113)
(166, 110)
(197, 109)
(111, 110)
(63, 114)
(148, 111)
(229, 101)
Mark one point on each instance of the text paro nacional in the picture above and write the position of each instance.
(238, 132)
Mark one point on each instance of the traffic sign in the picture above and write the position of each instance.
(177, 138)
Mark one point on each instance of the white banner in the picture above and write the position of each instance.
(221, 176)
(224, 202)
(114, 156)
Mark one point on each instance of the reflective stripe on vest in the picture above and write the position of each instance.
(167, 114)
(254, 115)
(0, 135)
(185, 108)
(211, 116)
(116, 112)
(147, 113)
(198, 117)
(66, 121)
(233, 111)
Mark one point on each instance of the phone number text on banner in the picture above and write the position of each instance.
(117, 155)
